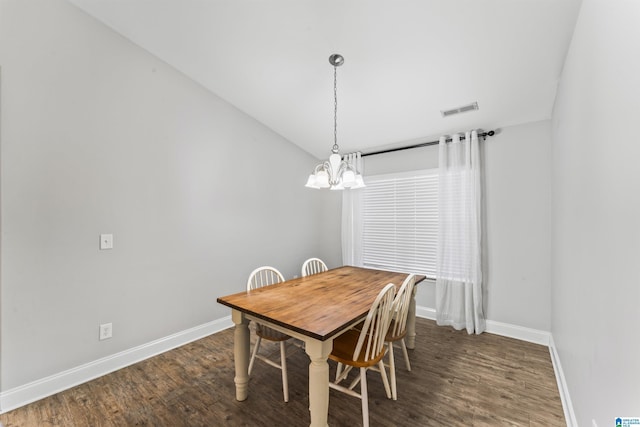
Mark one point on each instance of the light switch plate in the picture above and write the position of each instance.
(106, 241)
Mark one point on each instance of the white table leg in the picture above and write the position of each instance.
(318, 352)
(241, 354)
(411, 321)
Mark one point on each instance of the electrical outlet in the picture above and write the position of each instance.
(106, 331)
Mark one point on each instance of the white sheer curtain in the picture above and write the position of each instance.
(458, 267)
(352, 218)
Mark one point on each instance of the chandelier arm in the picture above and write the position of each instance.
(350, 166)
(318, 167)
(344, 166)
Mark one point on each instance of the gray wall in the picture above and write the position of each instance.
(517, 173)
(596, 212)
(100, 137)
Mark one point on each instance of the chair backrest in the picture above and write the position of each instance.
(401, 306)
(376, 324)
(264, 276)
(313, 266)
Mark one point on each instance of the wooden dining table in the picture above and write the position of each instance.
(314, 309)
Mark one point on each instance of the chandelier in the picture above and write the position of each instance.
(335, 173)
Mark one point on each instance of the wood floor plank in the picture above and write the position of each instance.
(456, 380)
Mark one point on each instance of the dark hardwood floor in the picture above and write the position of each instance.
(456, 380)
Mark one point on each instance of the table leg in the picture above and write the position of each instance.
(411, 321)
(318, 352)
(241, 354)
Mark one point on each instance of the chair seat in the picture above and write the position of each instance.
(390, 336)
(270, 334)
(343, 350)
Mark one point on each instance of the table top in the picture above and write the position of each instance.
(320, 305)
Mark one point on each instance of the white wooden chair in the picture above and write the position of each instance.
(265, 276)
(364, 349)
(313, 266)
(398, 328)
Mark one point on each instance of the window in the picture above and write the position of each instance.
(400, 222)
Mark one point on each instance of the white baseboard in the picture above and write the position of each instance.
(25, 394)
(504, 329)
(567, 406)
(535, 336)
(426, 312)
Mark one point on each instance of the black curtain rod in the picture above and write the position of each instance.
(482, 135)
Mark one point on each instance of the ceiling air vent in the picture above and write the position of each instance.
(464, 108)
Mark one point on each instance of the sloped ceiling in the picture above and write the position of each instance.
(405, 61)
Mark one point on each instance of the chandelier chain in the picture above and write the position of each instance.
(335, 109)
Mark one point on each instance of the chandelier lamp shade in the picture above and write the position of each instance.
(335, 173)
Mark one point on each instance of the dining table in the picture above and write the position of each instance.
(315, 309)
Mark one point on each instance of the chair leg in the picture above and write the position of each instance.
(406, 354)
(385, 381)
(285, 381)
(392, 372)
(253, 354)
(364, 396)
(344, 373)
(338, 371)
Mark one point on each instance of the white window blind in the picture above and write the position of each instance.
(400, 222)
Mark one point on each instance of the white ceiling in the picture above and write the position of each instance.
(405, 61)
